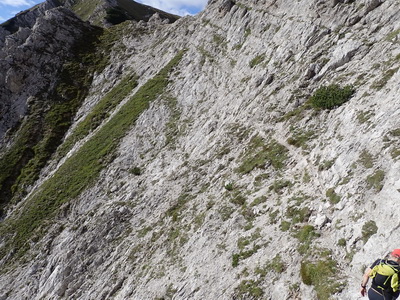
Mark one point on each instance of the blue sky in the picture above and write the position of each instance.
(8, 8)
(178, 7)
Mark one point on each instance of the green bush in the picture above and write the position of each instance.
(229, 186)
(332, 196)
(136, 171)
(368, 230)
(331, 96)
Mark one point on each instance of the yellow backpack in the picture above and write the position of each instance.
(385, 276)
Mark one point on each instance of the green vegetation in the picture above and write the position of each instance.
(125, 10)
(273, 216)
(381, 82)
(395, 153)
(219, 40)
(116, 15)
(229, 186)
(326, 164)
(392, 37)
(84, 9)
(395, 132)
(300, 138)
(273, 153)
(136, 171)
(257, 60)
(364, 116)
(176, 209)
(248, 289)
(237, 198)
(275, 265)
(226, 212)
(375, 180)
(251, 289)
(236, 257)
(139, 12)
(279, 185)
(243, 243)
(368, 230)
(322, 274)
(298, 215)
(49, 118)
(332, 196)
(285, 225)
(81, 169)
(305, 235)
(258, 181)
(366, 159)
(100, 112)
(330, 97)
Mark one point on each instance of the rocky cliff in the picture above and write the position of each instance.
(248, 152)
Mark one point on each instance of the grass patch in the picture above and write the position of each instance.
(236, 257)
(305, 235)
(366, 159)
(395, 153)
(321, 274)
(81, 169)
(248, 289)
(84, 9)
(175, 210)
(100, 112)
(374, 181)
(273, 153)
(279, 186)
(381, 82)
(257, 60)
(300, 138)
(298, 215)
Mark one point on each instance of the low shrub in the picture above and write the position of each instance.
(331, 96)
(368, 230)
(322, 275)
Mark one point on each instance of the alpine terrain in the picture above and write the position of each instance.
(251, 151)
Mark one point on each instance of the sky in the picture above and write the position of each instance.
(8, 8)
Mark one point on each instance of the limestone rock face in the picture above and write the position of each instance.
(229, 183)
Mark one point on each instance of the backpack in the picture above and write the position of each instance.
(385, 276)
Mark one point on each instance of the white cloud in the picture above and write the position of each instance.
(16, 3)
(179, 7)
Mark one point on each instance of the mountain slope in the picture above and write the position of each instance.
(206, 161)
(115, 12)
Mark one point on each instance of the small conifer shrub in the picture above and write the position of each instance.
(331, 96)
